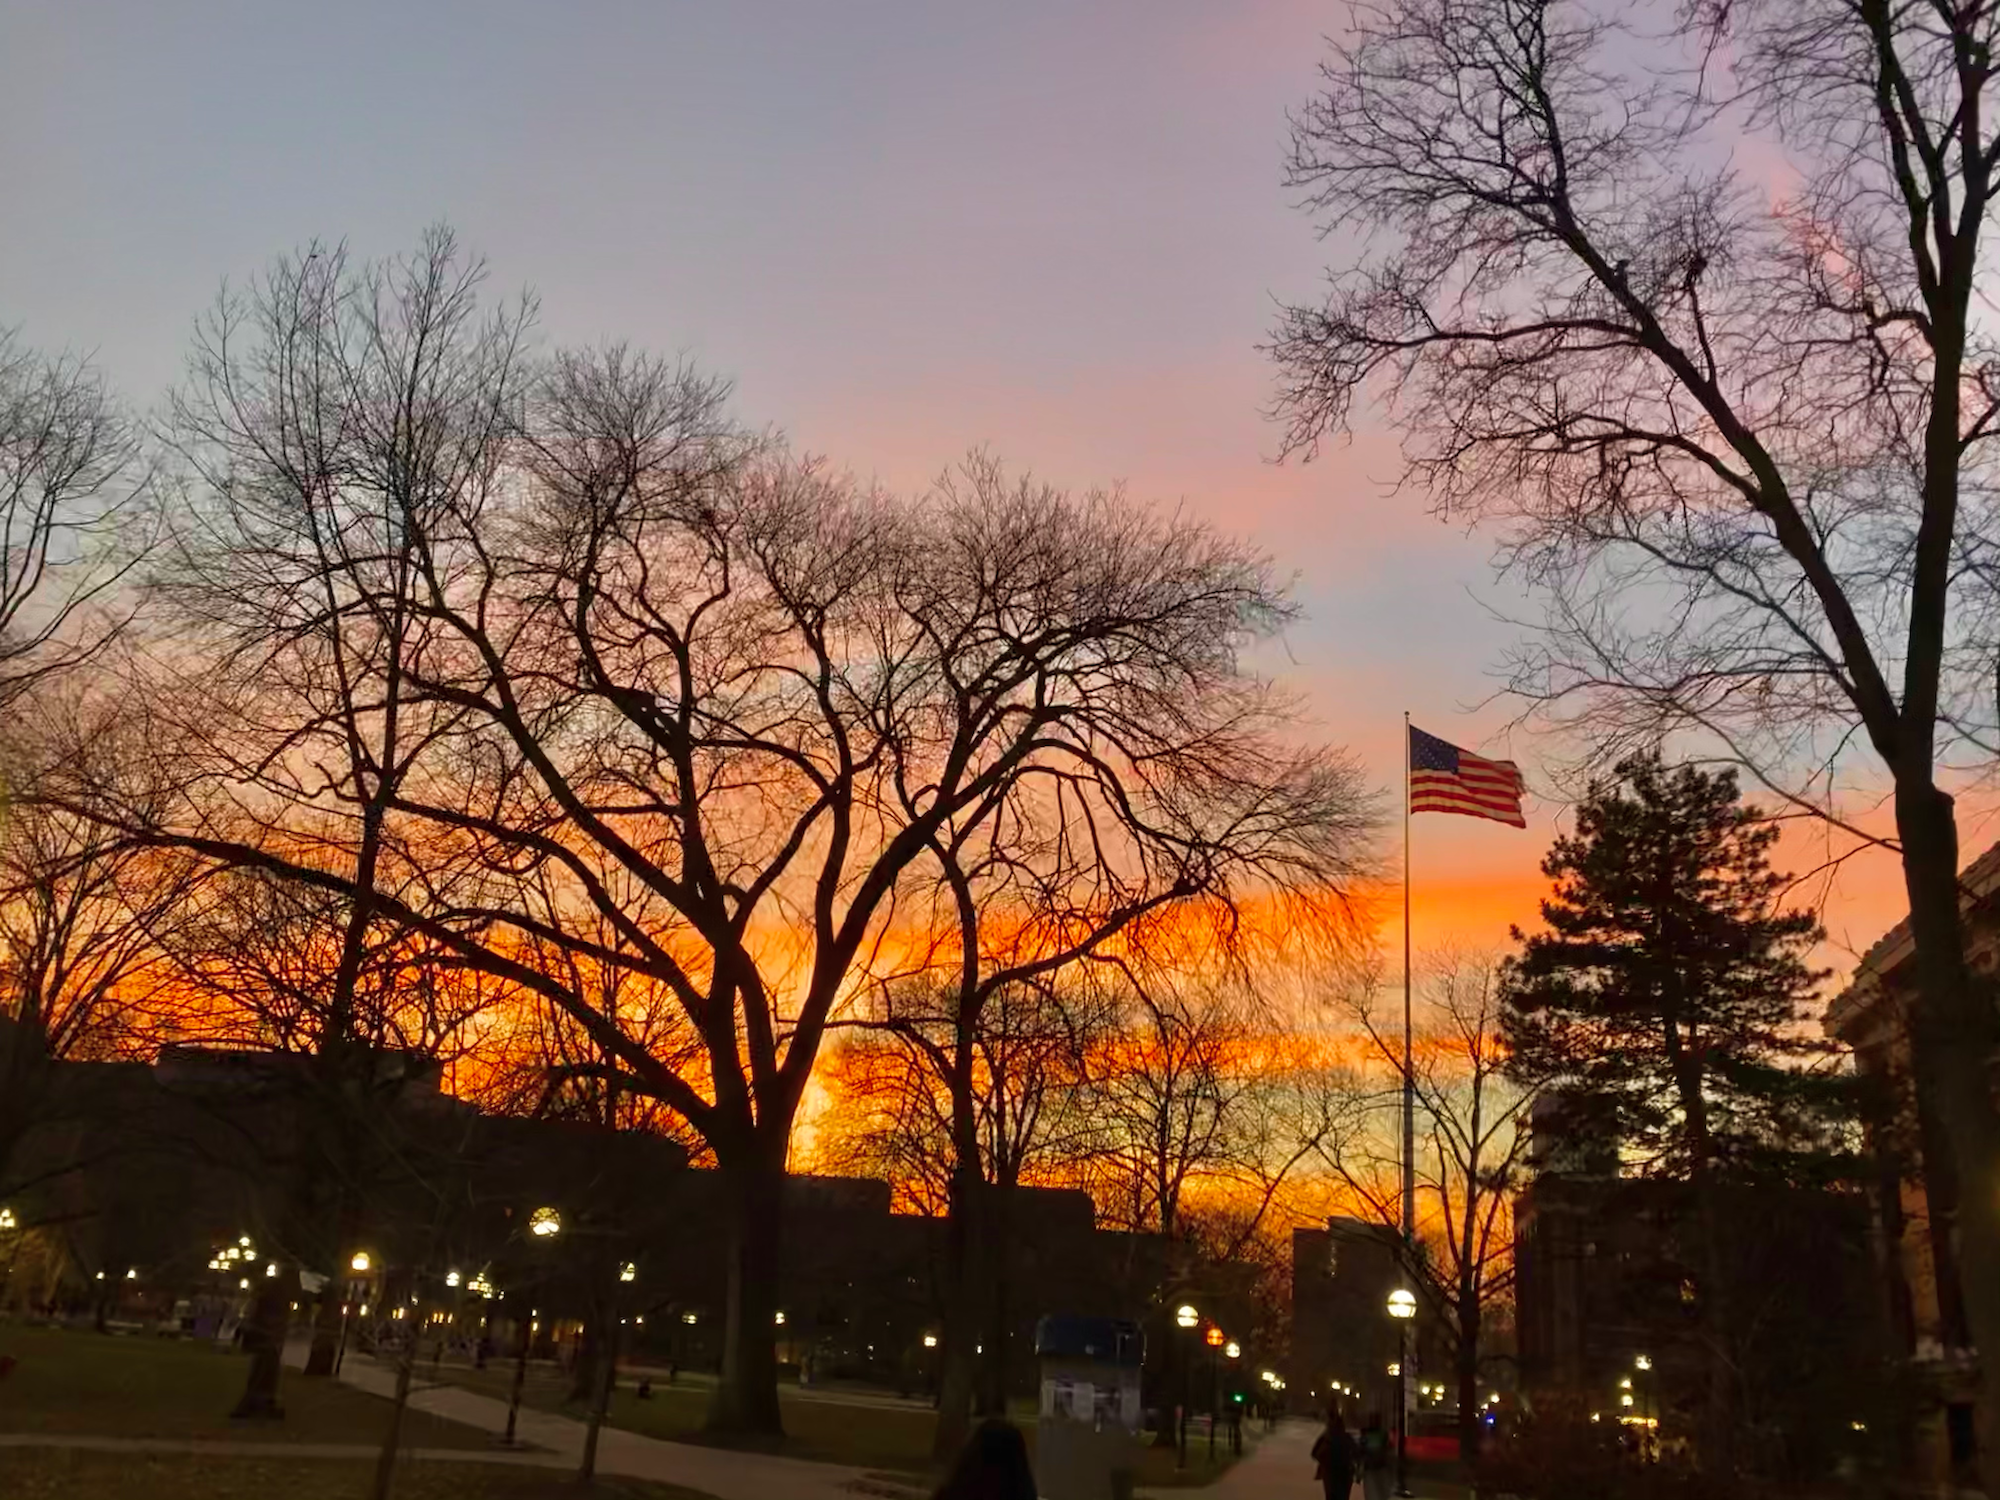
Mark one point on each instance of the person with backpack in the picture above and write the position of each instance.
(1333, 1453)
(1374, 1458)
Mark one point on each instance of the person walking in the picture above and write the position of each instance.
(1333, 1453)
(1374, 1458)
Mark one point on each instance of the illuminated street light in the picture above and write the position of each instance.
(544, 1222)
(132, 1273)
(1626, 1399)
(1395, 1369)
(930, 1341)
(1625, 1384)
(451, 1278)
(360, 1261)
(1402, 1304)
(243, 1285)
(779, 1317)
(630, 1272)
(1234, 1350)
(7, 1219)
(1213, 1338)
(690, 1318)
(1186, 1316)
(1642, 1362)
(244, 1242)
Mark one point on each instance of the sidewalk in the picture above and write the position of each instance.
(726, 1473)
(1280, 1467)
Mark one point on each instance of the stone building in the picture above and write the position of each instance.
(1918, 1191)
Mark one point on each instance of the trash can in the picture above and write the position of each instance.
(1087, 1439)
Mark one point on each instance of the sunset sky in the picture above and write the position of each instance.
(1049, 227)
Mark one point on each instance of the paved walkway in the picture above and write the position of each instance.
(726, 1473)
(229, 1449)
(1280, 1467)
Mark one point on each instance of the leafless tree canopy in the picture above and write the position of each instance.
(1692, 391)
(75, 512)
(550, 665)
(1684, 302)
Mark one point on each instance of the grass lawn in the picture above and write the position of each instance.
(73, 1381)
(46, 1474)
(863, 1434)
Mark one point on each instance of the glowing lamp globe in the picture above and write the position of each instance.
(1402, 1304)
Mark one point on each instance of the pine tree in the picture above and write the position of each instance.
(1670, 1001)
(1668, 1005)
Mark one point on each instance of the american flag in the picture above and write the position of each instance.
(1446, 779)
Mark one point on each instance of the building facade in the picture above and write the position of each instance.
(1917, 1190)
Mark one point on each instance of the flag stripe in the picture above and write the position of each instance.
(1446, 779)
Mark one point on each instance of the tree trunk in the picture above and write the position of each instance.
(746, 1397)
(958, 1367)
(1466, 1358)
(392, 1439)
(600, 1399)
(1953, 1033)
(1718, 1439)
(270, 1318)
(998, 1227)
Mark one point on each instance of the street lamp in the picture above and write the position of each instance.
(1402, 1308)
(7, 1219)
(628, 1272)
(1214, 1339)
(544, 1223)
(359, 1264)
(1185, 1318)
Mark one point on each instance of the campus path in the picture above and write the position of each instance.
(723, 1472)
(1280, 1467)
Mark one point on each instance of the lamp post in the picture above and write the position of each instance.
(1403, 1308)
(1234, 1351)
(359, 1265)
(1213, 1338)
(1185, 1318)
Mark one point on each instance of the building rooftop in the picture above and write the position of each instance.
(1892, 950)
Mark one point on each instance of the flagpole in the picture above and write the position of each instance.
(1406, 1351)
(1409, 1089)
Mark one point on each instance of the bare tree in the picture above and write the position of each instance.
(330, 413)
(1738, 430)
(83, 916)
(75, 513)
(1472, 1142)
(634, 637)
(977, 1095)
